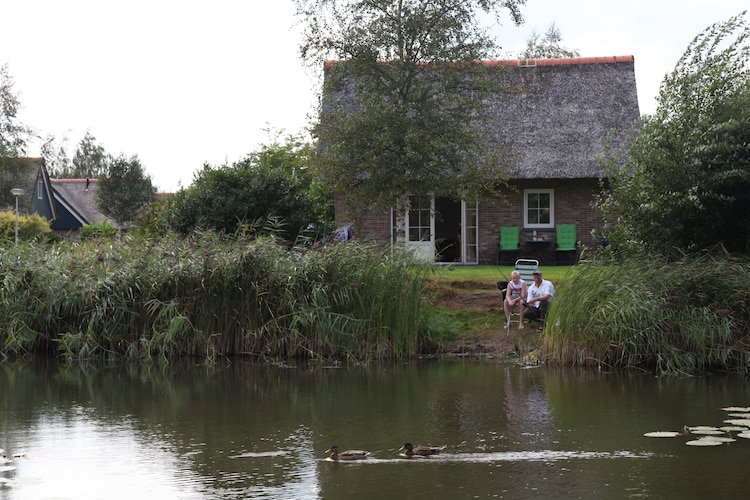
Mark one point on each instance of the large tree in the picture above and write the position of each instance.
(402, 107)
(14, 137)
(124, 190)
(687, 184)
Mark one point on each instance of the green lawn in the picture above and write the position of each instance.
(493, 273)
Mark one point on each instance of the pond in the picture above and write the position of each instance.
(242, 430)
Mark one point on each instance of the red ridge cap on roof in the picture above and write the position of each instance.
(561, 61)
(552, 61)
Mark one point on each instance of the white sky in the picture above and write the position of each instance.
(184, 82)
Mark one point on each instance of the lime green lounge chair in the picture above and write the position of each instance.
(509, 243)
(566, 243)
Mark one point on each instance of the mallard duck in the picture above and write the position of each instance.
(409, 450)
(346, 455)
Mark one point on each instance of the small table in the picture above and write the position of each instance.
(539, 247)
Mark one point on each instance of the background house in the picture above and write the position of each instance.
(559, 118)
(67, 203)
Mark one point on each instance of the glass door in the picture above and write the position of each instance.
(470, 233)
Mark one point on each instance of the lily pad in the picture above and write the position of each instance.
(738, 421)
(734, 428)
(737, 408)
(721, 439)
(704, 442)
(662, 434)
(699, 428)
(708, 432)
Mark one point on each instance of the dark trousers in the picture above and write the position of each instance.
(537, 313)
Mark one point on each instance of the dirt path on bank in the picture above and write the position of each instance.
(492, 340)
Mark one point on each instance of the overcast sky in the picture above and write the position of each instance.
(183, 82)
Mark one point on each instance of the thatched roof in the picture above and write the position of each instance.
(556, 118)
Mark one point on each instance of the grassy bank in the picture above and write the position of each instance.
(208, 297)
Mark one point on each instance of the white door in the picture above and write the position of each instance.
(470, 233)
(420, 228)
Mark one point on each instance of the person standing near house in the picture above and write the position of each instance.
(539, 295)
(515, 294)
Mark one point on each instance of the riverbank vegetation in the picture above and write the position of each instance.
(673, 316)
(207, 296)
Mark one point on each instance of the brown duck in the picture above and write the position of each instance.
(335, 454)
(422, 451)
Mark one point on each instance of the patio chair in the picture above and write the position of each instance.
(509, 243)
(566, 242)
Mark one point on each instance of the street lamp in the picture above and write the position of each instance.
(16, 192)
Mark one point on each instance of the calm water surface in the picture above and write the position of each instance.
(247, 431)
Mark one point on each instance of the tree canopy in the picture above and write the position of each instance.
(14, 135)
(402, 108)
(124, 190)
(272, 182)
(15, 170)
(687, 184)
(547, 46)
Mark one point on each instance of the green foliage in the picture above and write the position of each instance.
(548, 46)
(675, 317)
(104, 229)
(14, 135)
(16, 173)
(90, 159)
(207, 296)
(687, 184)
(273, 182)
(402, 110)
(55, 154)
(30, 227)
(124, 190)
(152, 221)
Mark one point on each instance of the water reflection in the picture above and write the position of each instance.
(246, 431)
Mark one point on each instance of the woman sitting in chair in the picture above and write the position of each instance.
(515, 294)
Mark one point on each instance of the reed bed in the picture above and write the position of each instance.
(674, 317)
(207, 296)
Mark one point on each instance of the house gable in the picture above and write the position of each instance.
(67, 203)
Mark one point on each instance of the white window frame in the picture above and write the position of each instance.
(526, 193)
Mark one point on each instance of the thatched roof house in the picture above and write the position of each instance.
(555, 123)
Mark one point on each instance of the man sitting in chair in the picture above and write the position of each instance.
(537, 301)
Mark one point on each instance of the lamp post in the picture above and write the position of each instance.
(16, 192)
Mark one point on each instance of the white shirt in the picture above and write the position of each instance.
(544, 288)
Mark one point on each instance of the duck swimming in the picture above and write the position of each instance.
(422, 451)
(346, 455)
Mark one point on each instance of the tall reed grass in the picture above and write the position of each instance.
(674, 317)
(207, 296)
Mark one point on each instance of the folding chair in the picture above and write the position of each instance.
(509, 242)
(525, 268)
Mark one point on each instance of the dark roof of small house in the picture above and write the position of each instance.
(79, 197)
(556, 121)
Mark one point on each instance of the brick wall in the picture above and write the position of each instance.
(573, 199)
